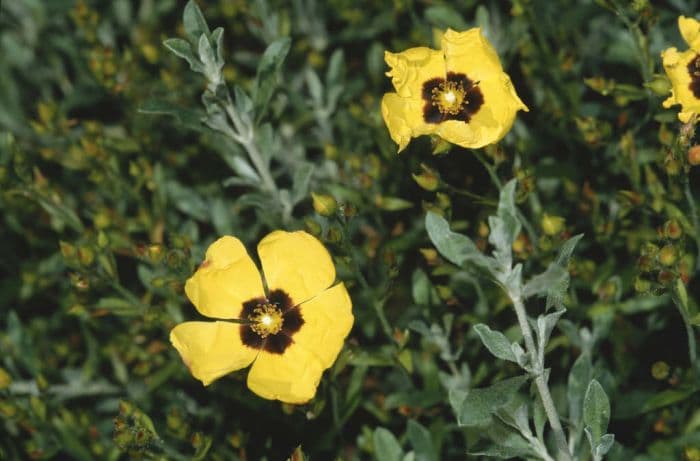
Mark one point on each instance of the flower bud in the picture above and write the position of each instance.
(552, 225)
(659, 370)
(325, 205)
(694, 155)
(672, 229)
(667, 255)
(428, 179)
(641, 285)
(659, 85)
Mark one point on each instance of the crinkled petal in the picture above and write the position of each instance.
(471, 54)
(690, 30)
(676, 67)
(226, 279)
(404, 118)
(291, 377)
(327, 321)
(211, 349)
(410, 69)
(296, 263)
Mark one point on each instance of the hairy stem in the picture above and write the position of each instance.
(694, 219)
(540, 381)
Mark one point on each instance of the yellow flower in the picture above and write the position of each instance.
(291, 332)
(683, 69)
(459, 93)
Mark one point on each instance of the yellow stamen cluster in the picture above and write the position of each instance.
(266, 319)
(449, 97)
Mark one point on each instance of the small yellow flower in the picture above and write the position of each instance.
(291, 332)
(683, 69)
(459, 93)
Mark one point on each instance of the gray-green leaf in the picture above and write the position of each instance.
(479, 404)
(456, 248)
(596, 410)
(495, 342)
(386, 447)
(267, 75)
(505, 226)
(421, 441)
(579, 376)
(194, 22)
(183, 49)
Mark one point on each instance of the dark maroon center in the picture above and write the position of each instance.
(473, 99)
(275, 343)
(694, 72)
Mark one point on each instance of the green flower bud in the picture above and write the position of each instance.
(659, 85)
(659, 370)
(325, 205)
(667, 255)
(552, 225)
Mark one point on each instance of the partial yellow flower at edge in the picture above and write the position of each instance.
(683, 70)
(296, 329)
(459, 93)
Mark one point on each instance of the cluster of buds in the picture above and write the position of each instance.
(133, 430)
(659, 265)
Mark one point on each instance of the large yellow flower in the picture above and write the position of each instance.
(459, 92)
(683, 69)
(292, 332)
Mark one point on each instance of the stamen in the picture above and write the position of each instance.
(449, 97)
(266, 319)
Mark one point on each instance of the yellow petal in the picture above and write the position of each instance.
(404, 118)
(690, 30)
(471, 54)
(676, 67)
(296, 263)
(291, 377)
(410, 69)
(327, 321)
(226, 279)
(211, 349)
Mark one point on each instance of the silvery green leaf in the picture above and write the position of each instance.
(502, 452)
(555, 295)
(194, 22)
(183, 49)
(505, 226)
(477, 407)
(579, 377)
(545, 325)
(243, 168)
(243, 103)
(512, 280)
(336, 68)
(596, 411)
(217, 38)
(421, 441)
(386, 447)
(495, 342)
(315, 87)
(508, 443)
(300, 181)
(268, 72)
(539, 418)
(212, 70)
(456, 248)
(521, 357)
(554, 281)
(604, 446)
